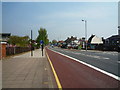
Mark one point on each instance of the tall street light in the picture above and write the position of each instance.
(31, 45)
(85, 32)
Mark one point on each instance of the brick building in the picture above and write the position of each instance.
(3, 41)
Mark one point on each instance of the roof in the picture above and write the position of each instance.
(114, 36)
(61, 41)
(5, 34)
(90, 39)
(96, 40)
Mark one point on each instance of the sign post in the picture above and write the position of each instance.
(42, 47)
(31, 45)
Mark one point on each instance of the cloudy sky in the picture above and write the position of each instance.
(61, 19)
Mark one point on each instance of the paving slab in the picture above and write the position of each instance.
(26, 71)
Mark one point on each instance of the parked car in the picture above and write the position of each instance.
(75, 46)
(64, 45)
(52, 45)
(69, 46)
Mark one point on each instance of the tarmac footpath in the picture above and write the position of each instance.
(26, 71)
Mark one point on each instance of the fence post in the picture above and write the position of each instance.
(14, 50)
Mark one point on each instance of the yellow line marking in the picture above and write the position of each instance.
(55, 74)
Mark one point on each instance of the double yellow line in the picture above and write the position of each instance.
(55, 74)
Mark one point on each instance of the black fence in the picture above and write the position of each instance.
(16, 50)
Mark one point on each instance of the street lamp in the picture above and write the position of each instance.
(31, 45)
(85, 32)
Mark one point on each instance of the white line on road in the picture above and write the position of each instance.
(118, 61)
(93, 56)
(100, 70)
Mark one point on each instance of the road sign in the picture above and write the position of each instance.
(41, 42)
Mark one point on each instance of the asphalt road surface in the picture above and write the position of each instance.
(73, 74)
(107, 61)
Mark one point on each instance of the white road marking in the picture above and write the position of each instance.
(118, 61)
(105, 52)
(95, 68)
(93, 56)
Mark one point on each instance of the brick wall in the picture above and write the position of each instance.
(2, 50)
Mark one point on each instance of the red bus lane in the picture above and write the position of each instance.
(73, 74)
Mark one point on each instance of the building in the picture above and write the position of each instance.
(95, 42)
(118, 30)
(60, 43)
(3, 40)
(4, 37)
(70, 40)
(112, 43)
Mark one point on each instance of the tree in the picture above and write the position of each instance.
(54, 41)
(42, 36)
(19, 41)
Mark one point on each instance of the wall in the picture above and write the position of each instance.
(2, 50)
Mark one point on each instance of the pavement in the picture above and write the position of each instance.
(0, 74)
(26, 71)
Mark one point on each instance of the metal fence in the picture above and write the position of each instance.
(16, 50)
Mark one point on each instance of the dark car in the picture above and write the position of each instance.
(64, 45)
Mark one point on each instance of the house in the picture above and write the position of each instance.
(112, 43)
(94, 42)
(4, 37)
(60, 43)
(3, 41)
(70, 40)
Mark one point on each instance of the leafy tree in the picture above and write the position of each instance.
(54, 41)
(42, 36)
(19, 41)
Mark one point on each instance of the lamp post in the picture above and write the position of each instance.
(85, 32)
(31, 45)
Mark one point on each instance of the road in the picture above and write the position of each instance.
(73, 74)
(107, 61)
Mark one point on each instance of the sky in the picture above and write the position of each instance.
(60, 19)
(0, 17)
(119, 13)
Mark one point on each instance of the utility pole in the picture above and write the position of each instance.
(31, 45)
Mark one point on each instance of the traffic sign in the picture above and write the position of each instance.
(41, 42)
